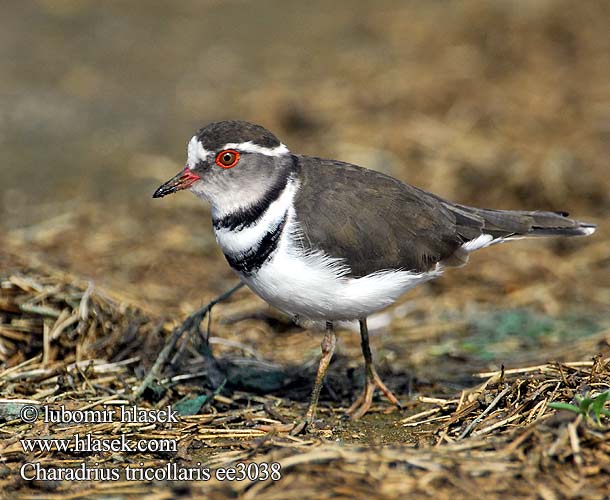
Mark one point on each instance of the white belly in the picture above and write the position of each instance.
(315, 287)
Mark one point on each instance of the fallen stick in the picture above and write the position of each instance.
(188, 325)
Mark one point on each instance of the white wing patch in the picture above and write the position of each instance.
(479, 242)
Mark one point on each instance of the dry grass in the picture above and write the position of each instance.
(65, 342)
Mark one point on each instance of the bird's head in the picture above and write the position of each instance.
(231, 164)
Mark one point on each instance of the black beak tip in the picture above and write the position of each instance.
(160, 193)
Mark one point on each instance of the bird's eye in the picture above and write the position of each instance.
(227, 158)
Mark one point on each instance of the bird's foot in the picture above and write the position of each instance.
(304, 424)
(364, 401)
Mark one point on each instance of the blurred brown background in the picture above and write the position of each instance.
(502, 104)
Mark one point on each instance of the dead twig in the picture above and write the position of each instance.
(190, 324)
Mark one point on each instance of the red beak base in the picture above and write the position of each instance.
(182, 180)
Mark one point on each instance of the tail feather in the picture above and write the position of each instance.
(481, 227)
(517, 223)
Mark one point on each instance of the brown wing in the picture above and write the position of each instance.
(376, 222)
(371, 220)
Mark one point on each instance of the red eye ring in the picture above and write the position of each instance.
(227, 158)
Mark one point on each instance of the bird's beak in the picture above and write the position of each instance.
(181, 180)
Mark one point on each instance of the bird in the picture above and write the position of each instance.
(325, 240)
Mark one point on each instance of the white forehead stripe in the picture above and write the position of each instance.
(250, 147)
(195, 152)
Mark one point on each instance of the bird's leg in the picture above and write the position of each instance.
(372, 379)
(328, 348)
